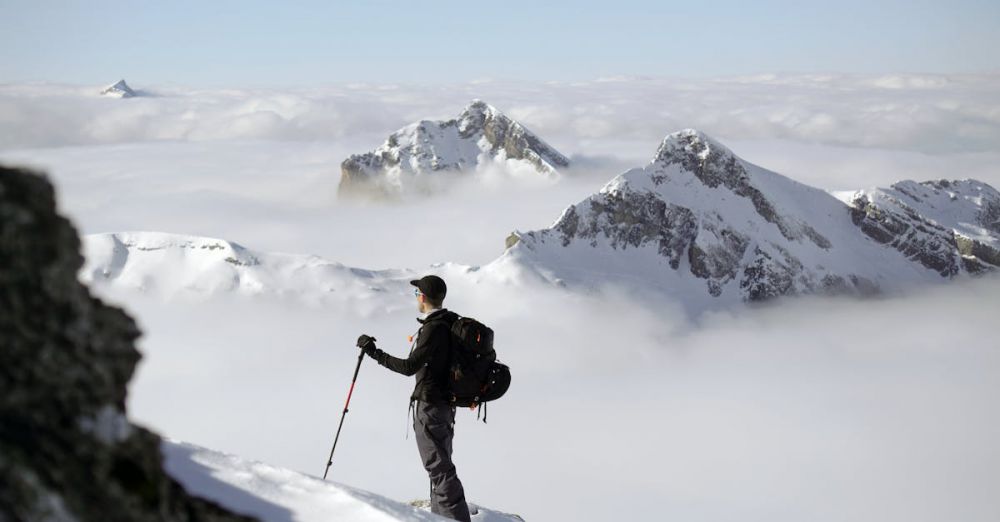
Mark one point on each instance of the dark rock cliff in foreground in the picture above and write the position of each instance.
(67, 450)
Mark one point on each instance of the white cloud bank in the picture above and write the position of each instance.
(925, 113)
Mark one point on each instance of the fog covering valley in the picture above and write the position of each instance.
(621, 406)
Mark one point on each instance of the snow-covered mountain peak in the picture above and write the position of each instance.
(475, 115)
(479, 138)
(704, 225)
(478, 108)
(690, 143)
(119, 89)
(694, 152)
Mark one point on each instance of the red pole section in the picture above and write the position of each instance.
(329, 461)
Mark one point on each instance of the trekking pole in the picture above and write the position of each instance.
(329, 461)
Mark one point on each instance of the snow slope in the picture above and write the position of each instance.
(279, 495)
(480, 138)
(172, 264)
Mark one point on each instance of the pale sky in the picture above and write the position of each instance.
(258, 43)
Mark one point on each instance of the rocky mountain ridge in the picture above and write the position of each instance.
(949, 226)
(712, 228)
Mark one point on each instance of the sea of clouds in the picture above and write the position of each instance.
(811, 409)
(921, 113)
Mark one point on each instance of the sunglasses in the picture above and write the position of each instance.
(417, 292)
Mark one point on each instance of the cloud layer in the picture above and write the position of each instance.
(925, 113)
(619, 409)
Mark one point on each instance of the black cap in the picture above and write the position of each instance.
(432, 286)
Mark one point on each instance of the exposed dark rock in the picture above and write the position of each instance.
(889, 217)
(503, 133)
(971, 248)
(568, 225)
(718, 260)
(767, 277)
(633, 219)
(67, 451)
(511, 240)
(989, 217)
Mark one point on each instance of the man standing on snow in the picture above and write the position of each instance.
(434, 416)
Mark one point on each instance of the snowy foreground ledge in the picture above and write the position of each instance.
(275, 494)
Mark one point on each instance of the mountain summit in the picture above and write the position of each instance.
(120, 89)
(709, 228)
(479, 137)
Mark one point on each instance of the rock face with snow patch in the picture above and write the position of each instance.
(708, 227)
(480, 136)
(120, 89)
(67, 451)
(951, 227)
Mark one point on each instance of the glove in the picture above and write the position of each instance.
(367, 344)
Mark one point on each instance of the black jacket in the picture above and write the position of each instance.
(430, 358)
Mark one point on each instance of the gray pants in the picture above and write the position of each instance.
(434, 426)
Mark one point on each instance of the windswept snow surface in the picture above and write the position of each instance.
(171, 265)
(273, 494)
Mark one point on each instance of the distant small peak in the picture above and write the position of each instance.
(119, 89)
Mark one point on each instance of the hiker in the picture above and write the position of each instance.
(433, 413)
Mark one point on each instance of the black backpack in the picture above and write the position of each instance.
(475, 376)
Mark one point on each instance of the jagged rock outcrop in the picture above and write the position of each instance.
(119, 89)
(951, 227)
(480, 136)
(709, 228)
(67, 450)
